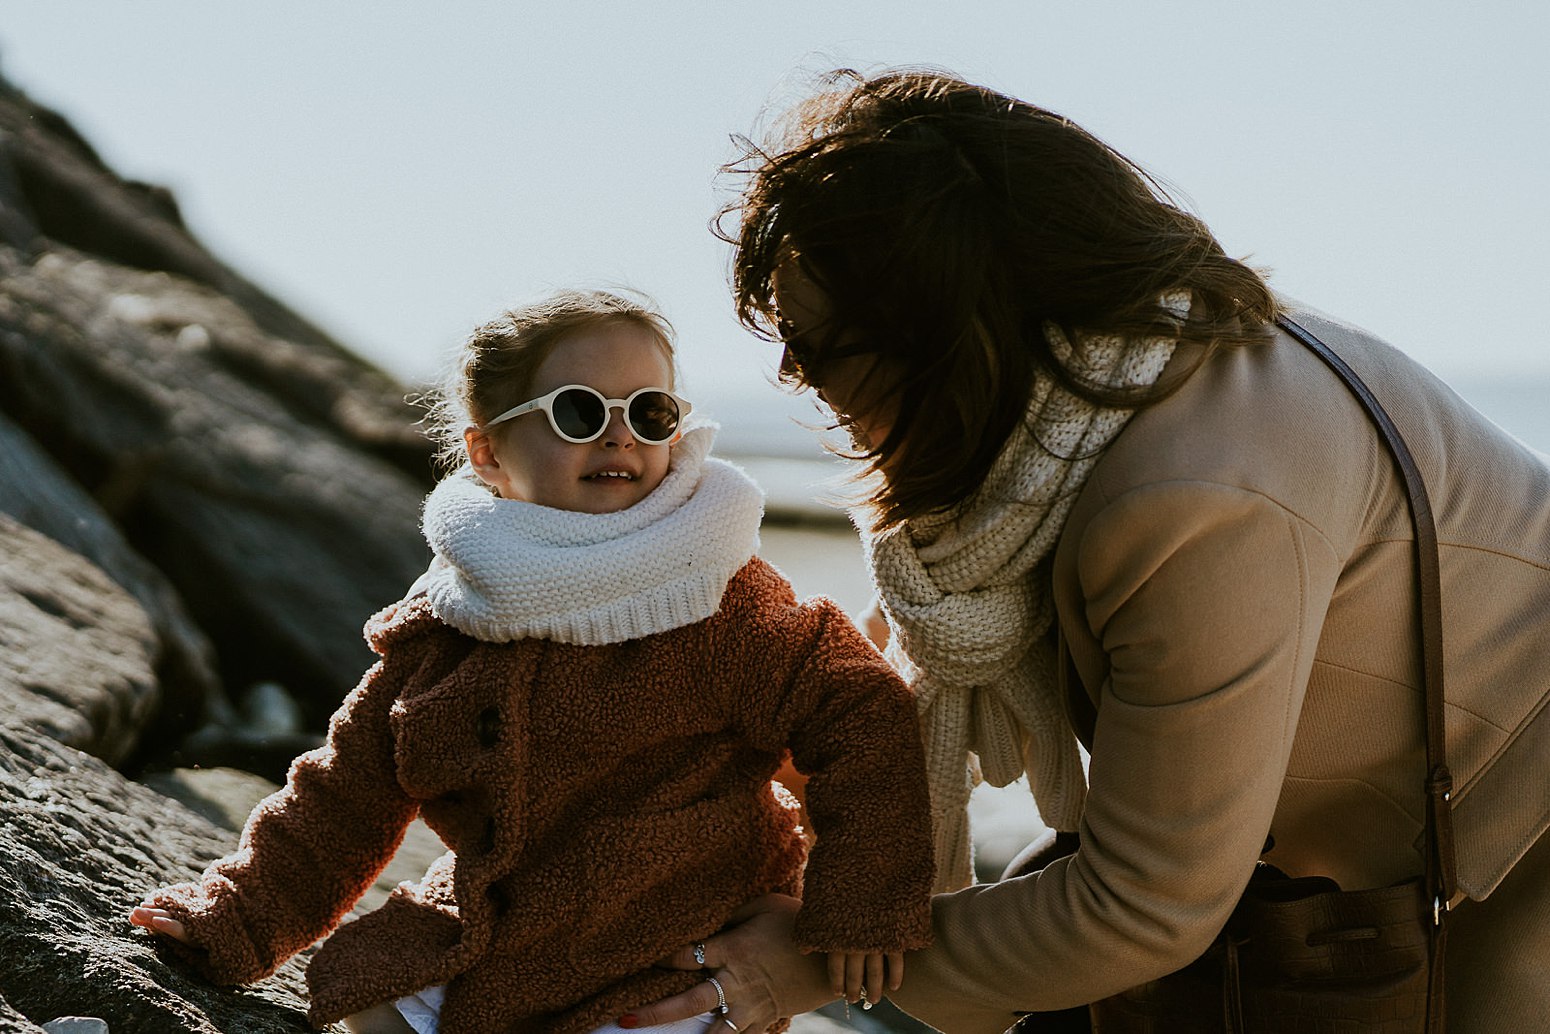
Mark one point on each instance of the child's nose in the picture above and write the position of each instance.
(617, 434)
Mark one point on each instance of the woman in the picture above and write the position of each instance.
(1084, 419)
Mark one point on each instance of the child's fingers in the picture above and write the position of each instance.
(855, 975)
(142, 915)
(873, 984)
(837, 973)
(159, 920)
(171, 927)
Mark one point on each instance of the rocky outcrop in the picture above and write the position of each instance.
(199, 492)
(79, 844)
(39, 494)
(278, 531)
(270, 477)
(79, 648)
(13, 1022)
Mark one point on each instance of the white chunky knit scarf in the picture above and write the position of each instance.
(969, 598)
(505, 569)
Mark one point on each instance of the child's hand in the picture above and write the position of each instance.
(159, 920)
(864, 976)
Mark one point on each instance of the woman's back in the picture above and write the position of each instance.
(1265, 478)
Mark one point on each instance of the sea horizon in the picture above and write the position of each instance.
(778, 437)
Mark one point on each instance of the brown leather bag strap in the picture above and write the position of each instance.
(1440, 878)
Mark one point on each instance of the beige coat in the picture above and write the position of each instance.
(1235, 582)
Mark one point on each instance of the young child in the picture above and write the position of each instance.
(585, 697)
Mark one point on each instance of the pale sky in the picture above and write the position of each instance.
(399, 172)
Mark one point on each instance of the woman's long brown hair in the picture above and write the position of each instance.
(945, 224)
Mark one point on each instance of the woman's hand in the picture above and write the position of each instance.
(159, 920)
(762, 974)
(873, 624)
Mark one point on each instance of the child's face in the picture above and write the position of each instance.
(524, 459)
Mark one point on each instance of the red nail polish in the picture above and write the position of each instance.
(629, 1020)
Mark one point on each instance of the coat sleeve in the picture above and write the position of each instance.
(308, 851)
(849, 722)
(1207, 602)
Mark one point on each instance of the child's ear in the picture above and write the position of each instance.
(481, 454)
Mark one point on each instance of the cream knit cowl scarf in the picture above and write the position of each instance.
(505, 569)
(969, 598)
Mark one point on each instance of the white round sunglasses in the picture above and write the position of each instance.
(579, 414)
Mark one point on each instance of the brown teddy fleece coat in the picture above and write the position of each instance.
(605, 806)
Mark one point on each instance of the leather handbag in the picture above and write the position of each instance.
(1302, 956)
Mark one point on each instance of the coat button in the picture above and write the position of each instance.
(488, 727)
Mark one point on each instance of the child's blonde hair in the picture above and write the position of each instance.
(493, 371)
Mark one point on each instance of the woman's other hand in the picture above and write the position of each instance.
(874, 625)
(159, 920)
(763, 975)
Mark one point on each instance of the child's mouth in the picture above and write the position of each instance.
(610, 475)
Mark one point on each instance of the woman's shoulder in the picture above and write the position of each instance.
(1273, 419)
(1270, 419)
(1272, 424)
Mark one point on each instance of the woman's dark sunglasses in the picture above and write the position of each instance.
(803, 356)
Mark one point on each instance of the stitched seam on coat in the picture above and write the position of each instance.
(1378, 791)
(1506, 745)
(1229, 486)
(1496, 552)
(1466, 547)
(1453, 704)
(1320, 663)
(1302, 611)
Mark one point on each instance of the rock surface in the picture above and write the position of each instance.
(198, 490)
(281, 535)
(13, 1022)
(78, 648)
(79, 844)
(35, 491)
(272, 477)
